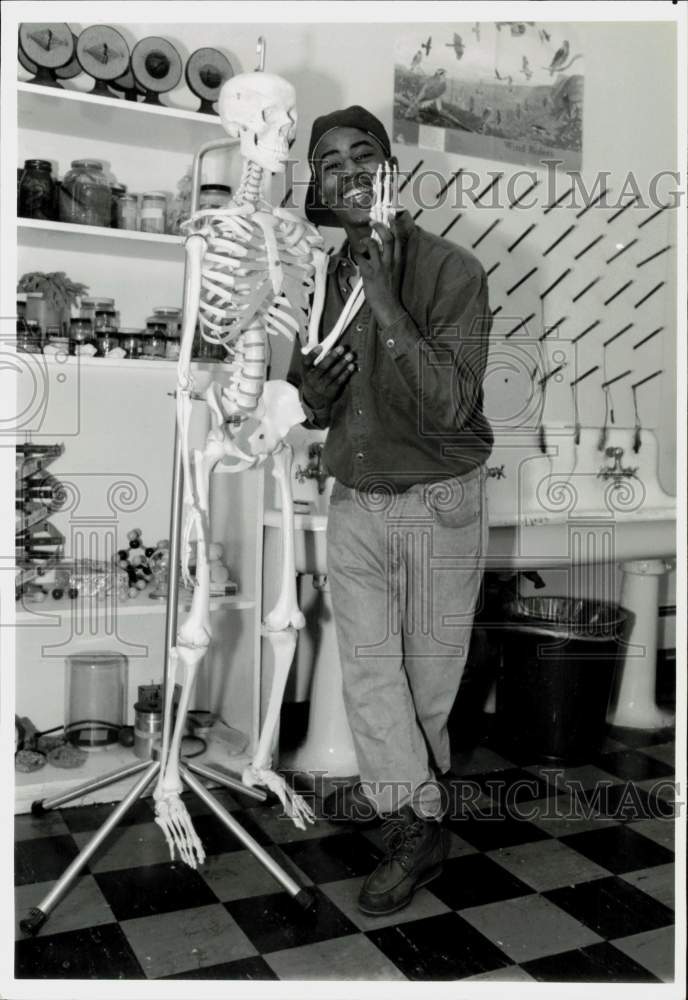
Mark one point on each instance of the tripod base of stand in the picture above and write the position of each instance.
(32, 923)
(37, 915)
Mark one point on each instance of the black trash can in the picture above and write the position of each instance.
(559, 658)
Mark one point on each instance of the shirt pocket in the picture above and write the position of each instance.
(457, 502)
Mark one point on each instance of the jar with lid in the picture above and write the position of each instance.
(130, 338)
(105, 319)
(214, 196)
(167, 316)
(85, 195)
(154, 342)
(152, 216)
(81, 337)
(127, 211)
(37, 191)
(107, 342)
(89, 306)
(173, 342)
(206, 350)
(116, 192)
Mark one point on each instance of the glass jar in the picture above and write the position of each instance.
(206, 350)
(152, 216)
(166, 316)
(154, 343)
(116, 192)
(214, 196)
(127, 211)
(28, 338)
(85, 195)
(173, 342)
(81, 337)
(105, 319)
(130, 341)
(87, 309)
(107, 341)
(37, 191)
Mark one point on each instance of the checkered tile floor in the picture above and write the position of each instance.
(533, 890)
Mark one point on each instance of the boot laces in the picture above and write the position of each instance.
(401, 835)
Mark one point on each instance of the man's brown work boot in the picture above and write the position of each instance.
(415, 851)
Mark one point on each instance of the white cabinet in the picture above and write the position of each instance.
(116, 421)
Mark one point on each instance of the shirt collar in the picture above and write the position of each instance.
(405, 224)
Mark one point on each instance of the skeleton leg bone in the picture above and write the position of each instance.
(286, 611)
(279, 629)
(259, 772)
(193, 640)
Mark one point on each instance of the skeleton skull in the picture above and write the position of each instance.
(260, 109)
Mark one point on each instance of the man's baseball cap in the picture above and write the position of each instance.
(353, 117)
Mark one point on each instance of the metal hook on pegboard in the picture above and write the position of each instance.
(260, 53)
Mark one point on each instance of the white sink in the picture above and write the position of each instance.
(586, 538)
(545, 510)
(309, 540)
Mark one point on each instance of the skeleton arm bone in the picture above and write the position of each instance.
(351, 308)
(386, 191)
(320, 260)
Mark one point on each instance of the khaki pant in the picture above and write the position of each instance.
(405, 573)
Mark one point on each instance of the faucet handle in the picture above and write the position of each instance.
(614, 452)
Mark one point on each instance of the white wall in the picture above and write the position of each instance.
(629, 125)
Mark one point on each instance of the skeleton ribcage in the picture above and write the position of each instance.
(237, 286)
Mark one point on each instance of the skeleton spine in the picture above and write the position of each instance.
(249, 185)
(247, 386)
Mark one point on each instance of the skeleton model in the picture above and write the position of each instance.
(250, 272)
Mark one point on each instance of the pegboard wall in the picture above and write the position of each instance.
(578, 290)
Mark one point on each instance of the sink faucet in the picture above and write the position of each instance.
(617, 471)
(315, 468)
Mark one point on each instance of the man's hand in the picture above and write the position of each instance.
(381, 271)
(324, 382)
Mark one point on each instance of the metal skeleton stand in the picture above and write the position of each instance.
(38, 915)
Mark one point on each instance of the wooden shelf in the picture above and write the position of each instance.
(99, 239)
(72, 112)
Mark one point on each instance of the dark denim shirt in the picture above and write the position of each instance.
(412, 412)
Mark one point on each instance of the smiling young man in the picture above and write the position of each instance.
(407, 528)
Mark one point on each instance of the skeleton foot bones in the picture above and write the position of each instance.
(250, 272)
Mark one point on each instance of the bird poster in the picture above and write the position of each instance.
(502, 90)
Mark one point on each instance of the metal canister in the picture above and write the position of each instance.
(147, 729)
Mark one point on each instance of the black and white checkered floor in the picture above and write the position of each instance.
(534, 889)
